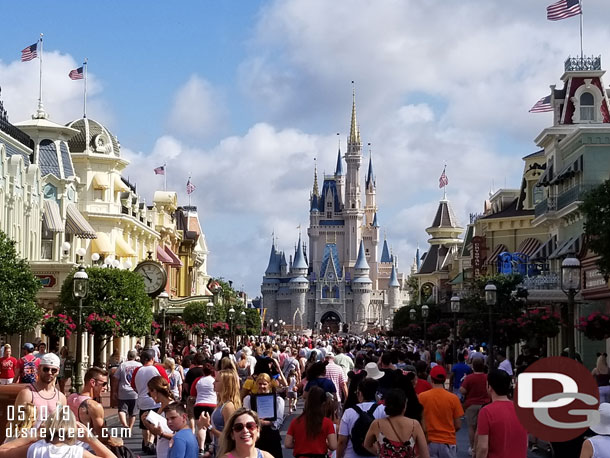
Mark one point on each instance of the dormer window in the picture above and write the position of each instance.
(587, 107)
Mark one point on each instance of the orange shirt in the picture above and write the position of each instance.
(440, 409)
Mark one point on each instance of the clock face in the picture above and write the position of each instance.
(154, 277)
(330, 275)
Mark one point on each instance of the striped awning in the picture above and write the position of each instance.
(529, 246)
(176, 262)
(123, 250)
(572, 245)
(569, 171)
(100, 181)
(163, 257)
(52, 216)
(493, 257)
(545, 250)
(77, 224)
(119, 186)
(546, 177)
(101, 244)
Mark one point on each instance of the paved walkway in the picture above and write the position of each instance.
(134, 443)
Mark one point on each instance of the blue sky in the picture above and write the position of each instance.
(243, 95)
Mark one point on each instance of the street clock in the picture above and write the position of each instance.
(154, 276)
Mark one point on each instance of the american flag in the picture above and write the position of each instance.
(443, 180)
(563, 9)
(160, 170)
(29, 53)
(76, 74)
(190, 187)
(542, 105)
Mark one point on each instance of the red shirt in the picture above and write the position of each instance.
(507, 438)
(8, 364)
(304, 445)
(476, 390)
(422, 385)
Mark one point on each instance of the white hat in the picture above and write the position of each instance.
(329, 354)
(603, 427)
(49, 359)
(372, 371)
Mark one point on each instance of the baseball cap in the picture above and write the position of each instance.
(438, 373)
(28, 346)
(49, 359)
(330, 354)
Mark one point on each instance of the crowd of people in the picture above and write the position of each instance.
(360, 397)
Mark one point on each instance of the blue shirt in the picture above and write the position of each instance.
(459, 371)
(185, 445)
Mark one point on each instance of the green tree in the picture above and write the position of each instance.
(195, 312)
(115, 296)
(19, 312)
(596, 209)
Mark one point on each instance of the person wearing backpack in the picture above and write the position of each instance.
(27, 366)
(396, 436)
(356, 421)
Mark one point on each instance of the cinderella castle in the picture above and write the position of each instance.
(340, 282)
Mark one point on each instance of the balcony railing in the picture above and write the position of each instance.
(572, 195)
(547, 205)
(549, 280)
(579, 64)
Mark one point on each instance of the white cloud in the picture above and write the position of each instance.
(62, 97)
(198, 110)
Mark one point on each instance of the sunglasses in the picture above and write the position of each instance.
(52, 370)
(251, 425)
(101, 382)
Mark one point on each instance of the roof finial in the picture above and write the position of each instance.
(354, 133)
(315, 178)
(369, 176)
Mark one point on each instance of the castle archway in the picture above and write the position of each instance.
(330, 322)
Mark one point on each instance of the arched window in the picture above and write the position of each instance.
(587, 107)
(336, 292)
(325, 292)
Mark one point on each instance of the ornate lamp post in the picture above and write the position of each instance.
(210, 312)
(80, 291)
(231, 315)
(163, 297)
(455, 309)
(491, 298)
(271, 325)
(425, 311)
(412, 314)
(570, 284)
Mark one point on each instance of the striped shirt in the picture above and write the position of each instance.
(335, 373)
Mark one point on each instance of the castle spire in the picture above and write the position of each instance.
(370, 178)
(316, 192)
(361, 261)
(339, 168)
(354, 132)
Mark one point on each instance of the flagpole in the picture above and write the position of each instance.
(85, 93)
(40, 112)
(165, 176)
(445, 187)
(582, 56)
(187, 191)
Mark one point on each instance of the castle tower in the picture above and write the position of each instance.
(353, 200)
(361, 289)
(299, 286)
(271, 282)
(393, 294)
(340, 176)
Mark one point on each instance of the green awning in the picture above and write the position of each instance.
(458, 279)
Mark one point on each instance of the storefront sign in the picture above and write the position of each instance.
(594, 279)
(46, 280)
(478, 246)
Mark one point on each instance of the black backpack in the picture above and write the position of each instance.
(361, 427)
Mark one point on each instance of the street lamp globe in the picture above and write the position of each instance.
(243, 313)
(81, 283)
(271, 321)
(95, 257)
(491, 294)
(81, 252)
(455, 304)
(163, 298)
(570, 274)
(412, 314)
(210, 308)
(231, 312)
(425, 311)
